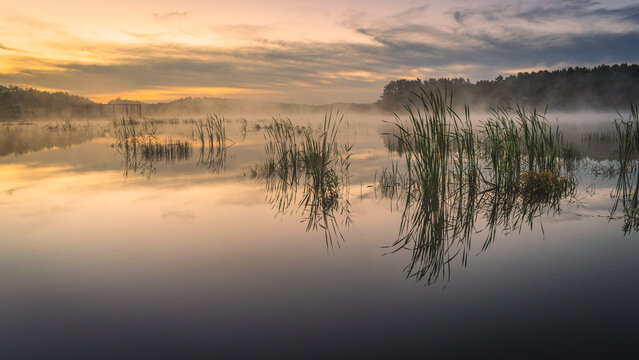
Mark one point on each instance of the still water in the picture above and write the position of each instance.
(109, 255)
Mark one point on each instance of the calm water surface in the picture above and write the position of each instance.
(108, 257)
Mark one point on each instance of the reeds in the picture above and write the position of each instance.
(211, 133)
(325, 168)
(508, 171)
(627, 131)
(66, 125)
(516, 140)
(315, 162)
(627, 190)
(441, 160)
(141, 149)
(389, 182)
(22, 139)
(169, 150)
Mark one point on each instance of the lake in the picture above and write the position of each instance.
(197, 249)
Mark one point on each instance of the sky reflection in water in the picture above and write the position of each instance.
(98, 257)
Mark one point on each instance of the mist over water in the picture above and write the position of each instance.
(294, 180)
(132, 242)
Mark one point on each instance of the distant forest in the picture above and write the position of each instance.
(603, 87)
(13, 99)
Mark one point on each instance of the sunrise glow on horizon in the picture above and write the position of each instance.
(293, 51)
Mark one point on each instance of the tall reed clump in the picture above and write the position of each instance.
(282, 149)
(511, 166)
(627, 190)
(211, 133)
(627, 131)
(141, 147)
(517, 143)
(325, 172)
(502, 149)
(315, 161)
(169, 150)
(442, 177)
(129, 134)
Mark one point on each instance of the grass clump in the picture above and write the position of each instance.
(543, 185)
(515, 141)
(141, 147)
(299, 160)
(508, 171)
(22, 139)
(442, 174)
(627, 190)
(627, 131)
(211, 133)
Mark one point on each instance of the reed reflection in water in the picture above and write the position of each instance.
(627, 190)
(313, 167)
(508, 173)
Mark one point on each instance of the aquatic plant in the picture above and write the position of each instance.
(214, 143)
(18, 139)
(389, 182)
(442, 174)
(211, 131)
(66, 125)
(627, 131)
(627, 189)
(313, 164)
(141, 149)
(509, 172)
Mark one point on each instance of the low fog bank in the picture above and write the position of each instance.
(31, 104)
(231, 107)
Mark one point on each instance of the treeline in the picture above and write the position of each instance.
(16, 102)
(603, 87)
(120, 101)
(22, 103)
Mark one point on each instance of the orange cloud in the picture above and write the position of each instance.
(172, 93)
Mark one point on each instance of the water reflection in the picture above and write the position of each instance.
(21, 139)
(213, 142)
(312, 167)
(626, 200)
(438, 226)
(141, 147)
(627, 190)
(213, 158)
(508, 173)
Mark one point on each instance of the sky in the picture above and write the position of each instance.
(298, 51)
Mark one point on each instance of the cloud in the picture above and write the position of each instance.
(2, 47)
(478, 43)
(174, 15)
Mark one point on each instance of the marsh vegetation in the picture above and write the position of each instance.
(627, 190)
(508, 171)
(18, 139)
(453, 181)
(141, 147)
(311, 166)
(211, 133)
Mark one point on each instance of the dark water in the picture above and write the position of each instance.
(174, 258)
